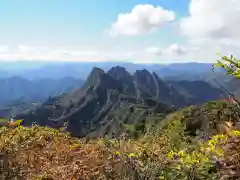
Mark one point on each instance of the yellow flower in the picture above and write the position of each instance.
(132, 155)
(235, 133)
(170, 154)
(161, 177)
(117, 153)
(18, 122)
(178, 167)
(181, 153)
(76, 145)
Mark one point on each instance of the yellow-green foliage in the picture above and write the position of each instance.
(18, 122)
(37, 152)
(231, 64)
(41, 152)
(164, 153)
(198, 162)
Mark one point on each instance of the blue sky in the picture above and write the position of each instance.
(80, 30)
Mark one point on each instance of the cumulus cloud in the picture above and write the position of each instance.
(176, 49)
(211, 26)
(213, 19)
(141, 20)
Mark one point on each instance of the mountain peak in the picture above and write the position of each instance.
(109, 98)
(97, 70)
(143, 76)
(143, 71)
(119, 73)
(93, 78)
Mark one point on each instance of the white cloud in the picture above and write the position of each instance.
(176, 49)
(120, 55)
(212, 26)
(213, 19)
(73, 53)
(156, 54)
(152, 54)
(167, 54)
(172, 50)
(3, 48)
(141, 20)
(154, 51)
(52, 54)
(23, 48)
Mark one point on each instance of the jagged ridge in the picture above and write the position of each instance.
(107, 101)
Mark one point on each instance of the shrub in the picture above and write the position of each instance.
(37, 152)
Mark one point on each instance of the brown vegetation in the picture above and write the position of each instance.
(31, 153)
(44, 153)
(230, 164)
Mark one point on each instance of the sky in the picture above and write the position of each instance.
(141, 31)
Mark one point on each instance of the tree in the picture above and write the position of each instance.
(230, 64)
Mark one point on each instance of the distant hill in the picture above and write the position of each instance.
(109, 102)
(197, 92)
(233, 85)
(17, 90)
(58, 70)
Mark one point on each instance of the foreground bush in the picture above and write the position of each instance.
(44, 153)
(230, 163)
(39, 152)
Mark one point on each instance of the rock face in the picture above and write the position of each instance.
(108, 101)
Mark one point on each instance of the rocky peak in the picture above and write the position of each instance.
(93, 78)
(125, 78)
(119, 73)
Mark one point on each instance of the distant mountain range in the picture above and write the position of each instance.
(109, 101)
(80, 70)
(17, 90)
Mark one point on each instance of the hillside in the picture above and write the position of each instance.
(164, 151)
(108, 102)
(198, 91)
(205, 119)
